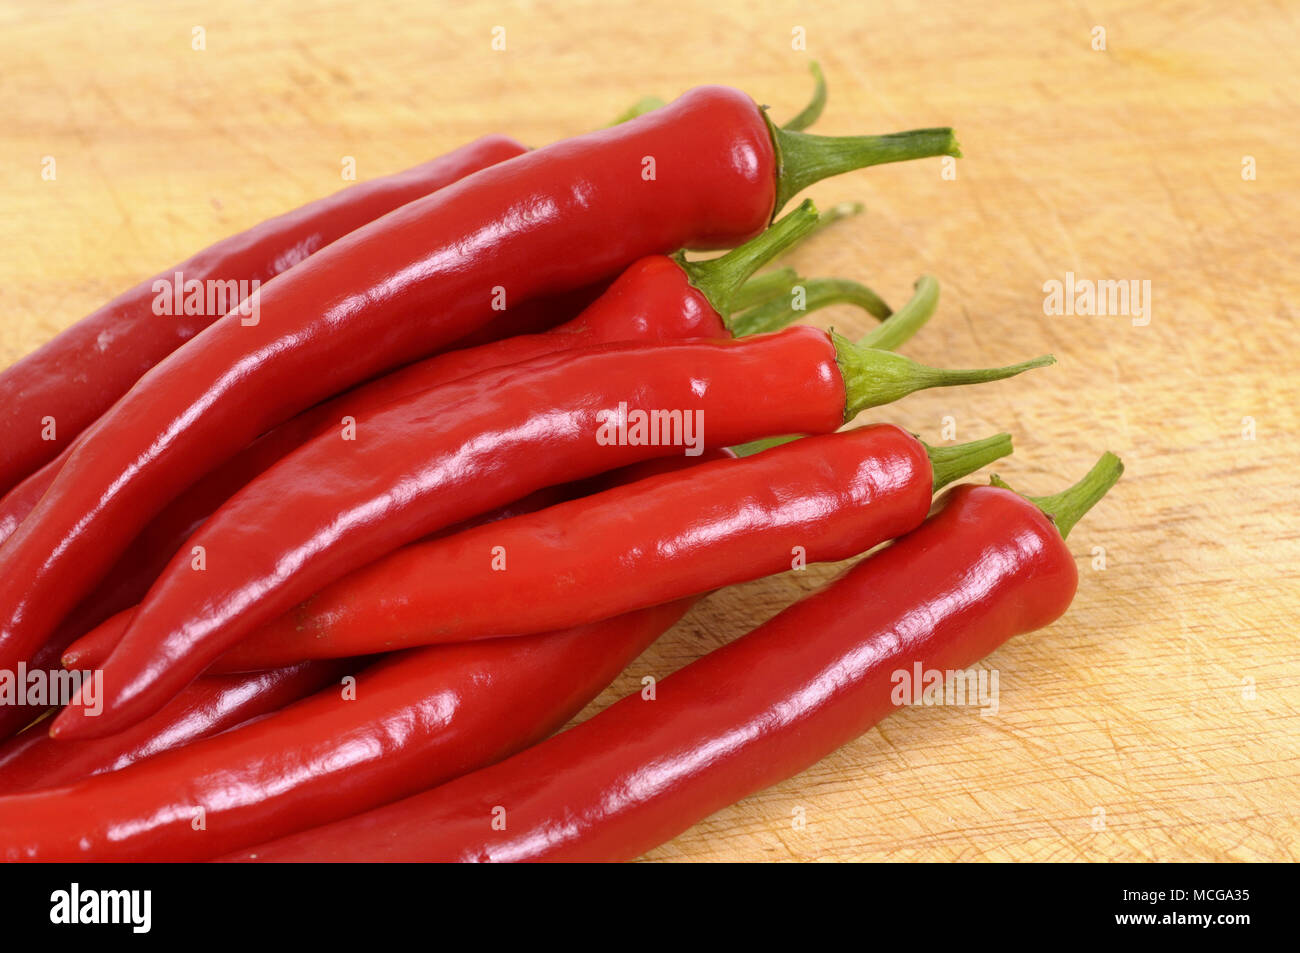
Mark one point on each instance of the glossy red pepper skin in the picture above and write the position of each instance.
(82, 372)
(652, 300)
(679, 534)
(986, 567)
(530, 319)
(97, 624)
(446, 455)
(207, 707)
(418, 718)
(92, 650)
(22, 499)
(548, 221)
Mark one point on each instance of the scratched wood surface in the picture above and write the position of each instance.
(1160, 719)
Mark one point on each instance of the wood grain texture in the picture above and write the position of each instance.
(1169, 697)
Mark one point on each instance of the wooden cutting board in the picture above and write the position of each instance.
(1160, 719)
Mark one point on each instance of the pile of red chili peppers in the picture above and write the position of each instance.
(319, 575)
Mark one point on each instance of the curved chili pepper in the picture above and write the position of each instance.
(987, 566)
(532, 317)
(207, 707)
(397, 739)
(705, 171)
(91, 650)
(649, 299)
(112, 347)
(41, 387)
(646, 287)
(656, 298)
(417, 718)
(464, 448)
(585, 330)
(525, 426)
(98, 624)
(825, 498)
(103, 615)
(85, 639)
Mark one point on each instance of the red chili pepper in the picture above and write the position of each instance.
(649, 301)
(459, 450)
(691, 531)
(418, 718)
(207, 707)
(112, 347)
(987, 566)
(92, 650)
(130, 325)
(400, 740)
(657, 298)
(533, 317)
(705, 171)
(112, 603)
(136, 578)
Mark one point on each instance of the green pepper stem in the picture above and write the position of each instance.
(767, 443)
(813, 111)
(946, 463)
(719, 279)
(952, 463)
(838, 212)
(638, 108)
(818, 293)
(1069, 506)
(900, 326)
(764, 288)
(873, 377)
(803, 158)
(897, 328)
